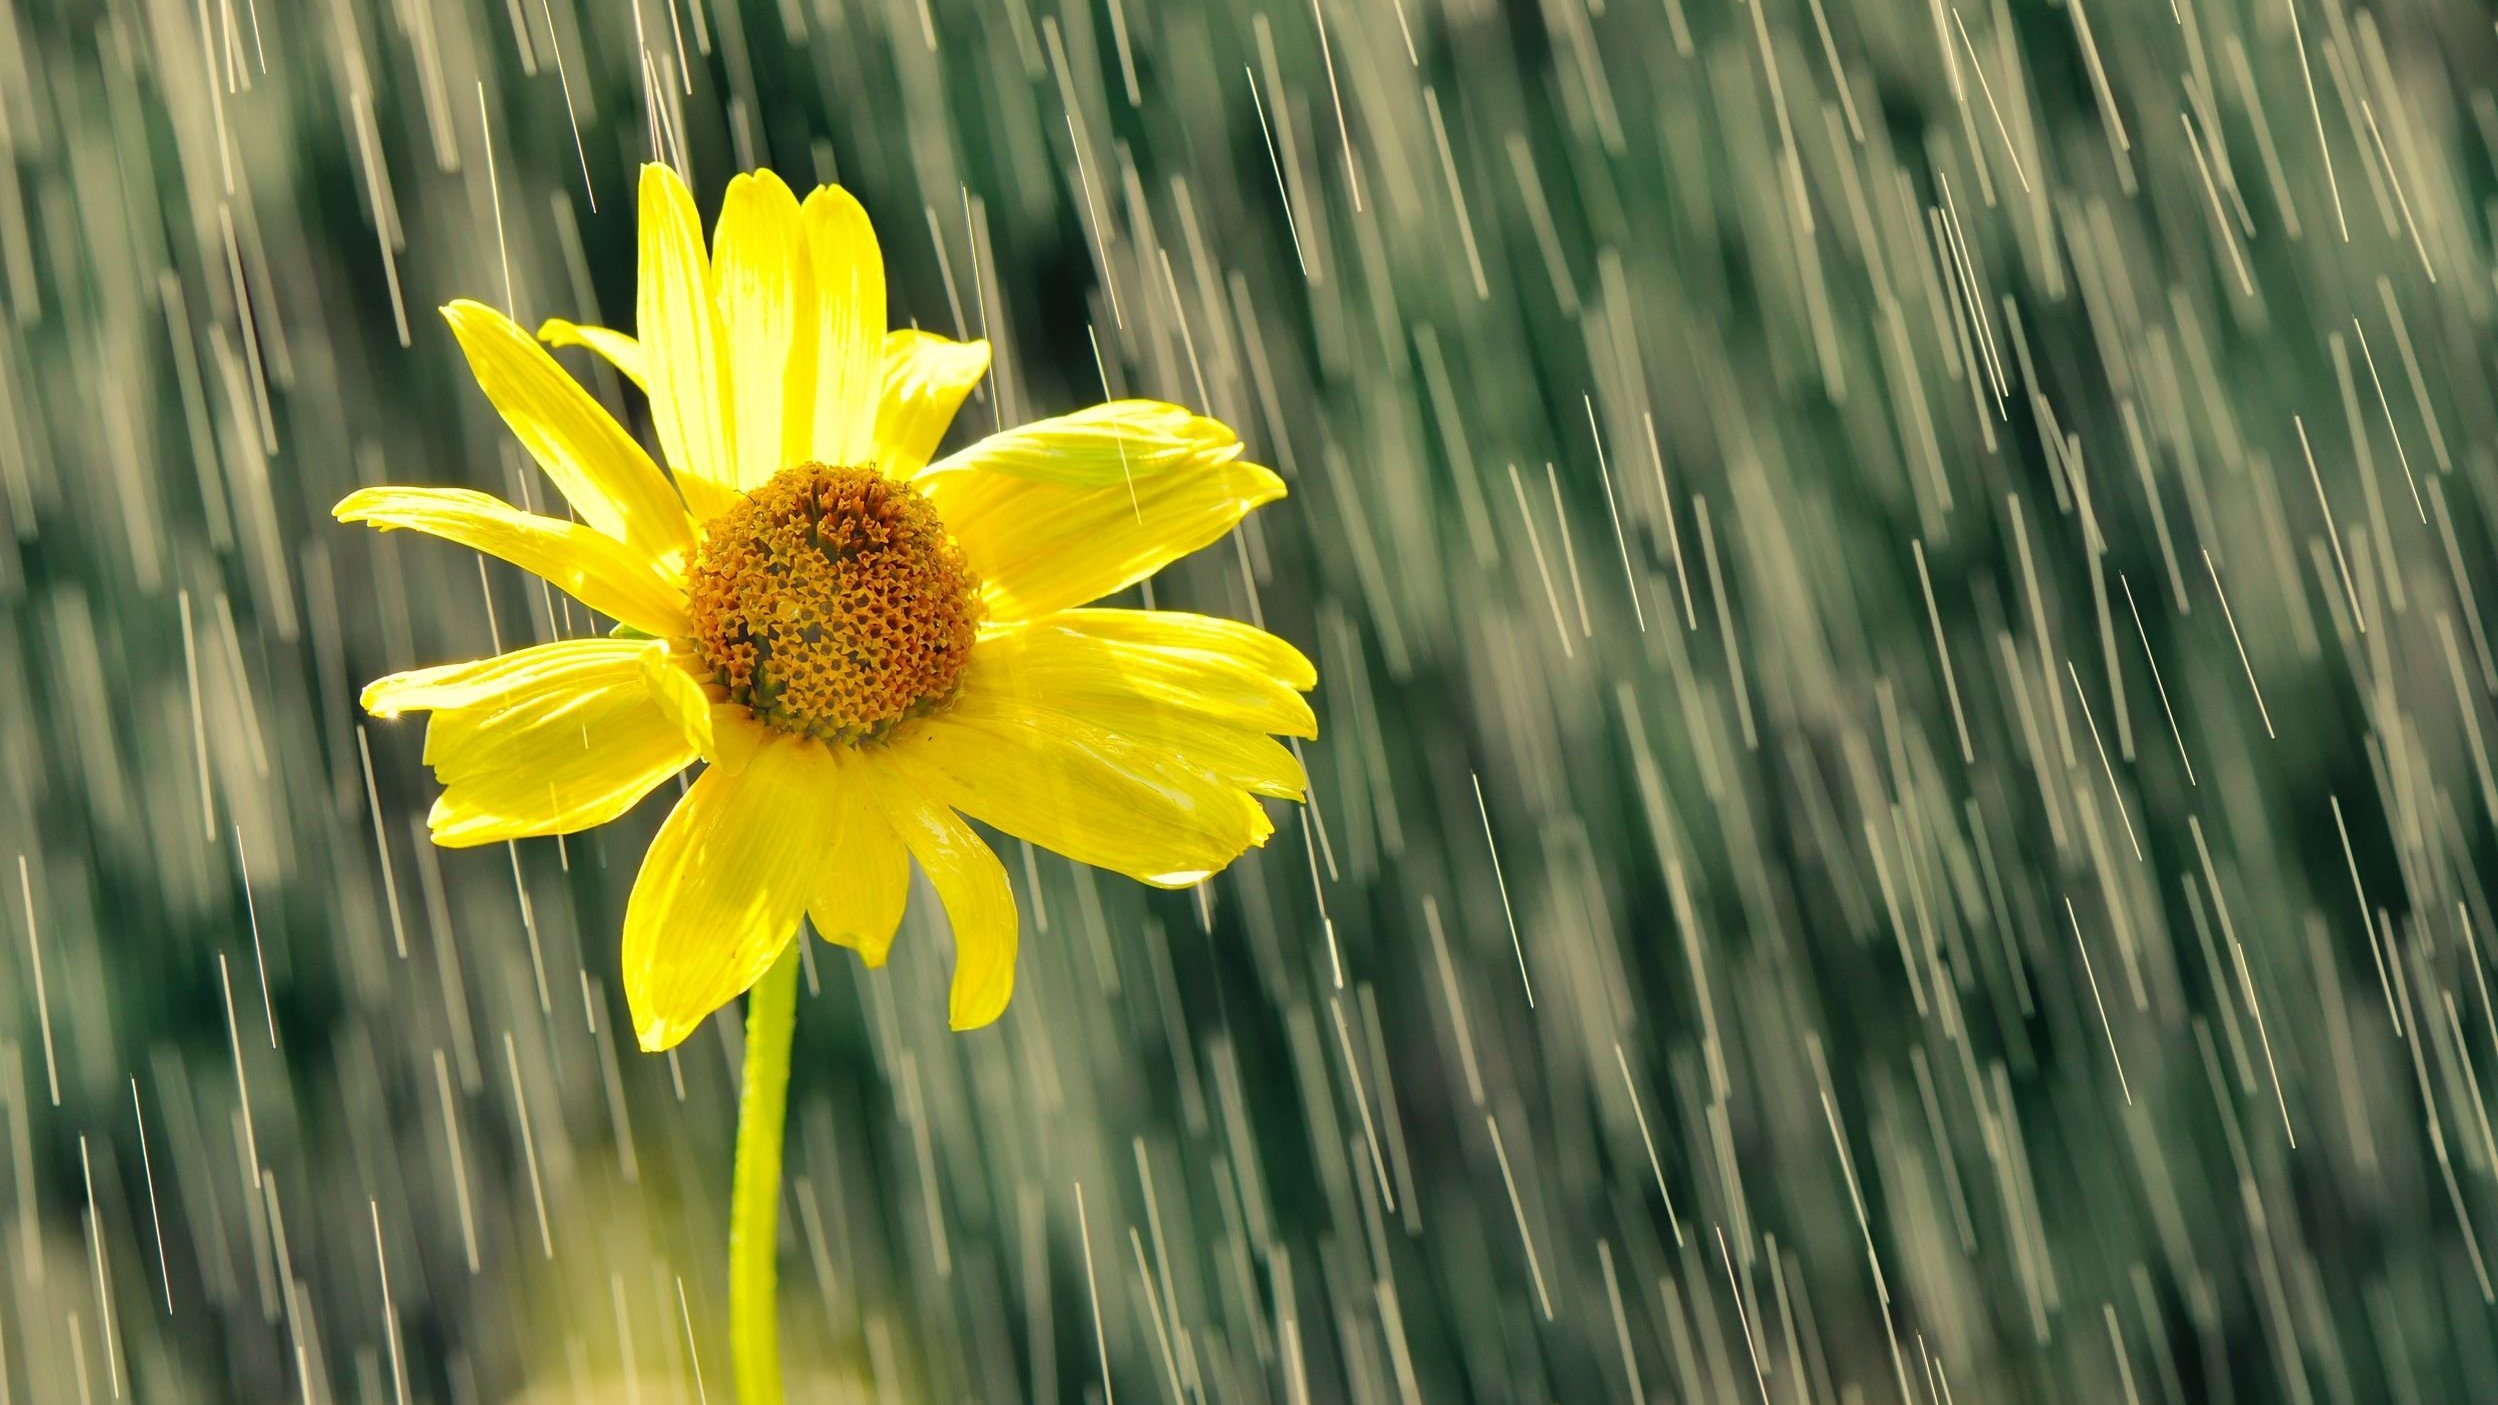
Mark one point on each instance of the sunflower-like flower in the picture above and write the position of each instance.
(862, 645)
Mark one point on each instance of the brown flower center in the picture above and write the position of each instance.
(831, 602)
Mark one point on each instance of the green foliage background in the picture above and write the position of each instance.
(1904, 783)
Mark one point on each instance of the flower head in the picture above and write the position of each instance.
(832, 604)
(862, 645)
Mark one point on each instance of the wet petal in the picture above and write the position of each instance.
(759, 273)
(684, 356)
(1220, 671)
(598, 570)
(1177, 631)
(1039, 547)
(467, 684)
(926, 378)
(1117, 443)
(1123, 781)
(598, 467)
(556, 767)
(668, 671)
(546, 740)
(719, 894)
(849, 273)
(612, 346)
(972, 883)
(862, 881)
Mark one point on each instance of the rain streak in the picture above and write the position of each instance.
(1902, 594)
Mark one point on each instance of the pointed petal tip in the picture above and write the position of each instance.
(450, 832)
(655, 1031)
(471, 320)
(658, 1036)
(966, 1017)
(873, 957)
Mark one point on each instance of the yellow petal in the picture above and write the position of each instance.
(969, 880)
(668, 671)
(1117, 443)
(540, 666)
(598, 570)
(1194, 669)
(598, 467)
(617, 349)
(735, 736)
(573, 765)
(683, 354)
(926, 378)
(849, 273)
(1181, 632)
(1042, 547)
(719, 894)
(545, 740)
(1050, 779)
(759, 274)
(1140, 787)
(723, 733)
(862, 881)
(1240, 756)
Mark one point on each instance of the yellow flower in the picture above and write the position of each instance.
(864, 646)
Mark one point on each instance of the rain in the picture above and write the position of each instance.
(1906, 709)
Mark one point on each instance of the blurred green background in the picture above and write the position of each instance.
(1905, 776)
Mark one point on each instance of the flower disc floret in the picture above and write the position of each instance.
(832, 604)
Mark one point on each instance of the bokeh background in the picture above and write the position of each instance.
(1907, 710)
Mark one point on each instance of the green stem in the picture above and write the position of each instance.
(754, 1212)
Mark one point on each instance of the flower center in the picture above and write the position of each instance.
(831, 602)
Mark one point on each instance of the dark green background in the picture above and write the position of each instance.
(1747, 464)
